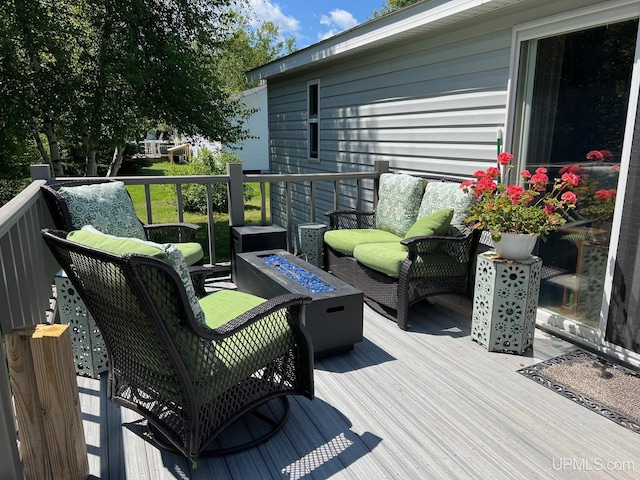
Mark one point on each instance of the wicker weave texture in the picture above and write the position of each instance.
(189, 382)
(419, 278)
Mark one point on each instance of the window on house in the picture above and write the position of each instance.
(571, 109)
(313, 113)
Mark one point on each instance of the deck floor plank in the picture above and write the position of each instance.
(418, 404)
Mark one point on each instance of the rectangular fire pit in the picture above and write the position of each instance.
(334, 317)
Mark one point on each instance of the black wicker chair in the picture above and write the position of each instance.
(188, 381)
(177, 232)
(418, 277)
(157, 232)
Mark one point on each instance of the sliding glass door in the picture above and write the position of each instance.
(571, 107)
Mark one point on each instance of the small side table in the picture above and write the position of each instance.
(89, 351)
(505, 302)
(311, 237)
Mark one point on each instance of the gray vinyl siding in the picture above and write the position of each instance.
(431, 103)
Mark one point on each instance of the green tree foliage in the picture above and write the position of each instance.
(250, 48)
(391, 5)
(94, 73)
(194, 196)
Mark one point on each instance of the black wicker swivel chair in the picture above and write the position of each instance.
(188, 381)
(157, 232)
(176, 232)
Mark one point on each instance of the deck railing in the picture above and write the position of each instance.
(27, 268)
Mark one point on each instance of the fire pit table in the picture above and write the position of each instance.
(333, 318)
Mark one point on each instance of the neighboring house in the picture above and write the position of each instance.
(254, 151)
(429, 86)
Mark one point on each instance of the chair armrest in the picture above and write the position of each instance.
(200, 273)
(259, 313)
(348, 219)
(461, 248)
(171, 232)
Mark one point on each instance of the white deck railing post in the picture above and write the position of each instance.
(236, 194)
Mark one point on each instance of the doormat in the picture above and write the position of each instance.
(602, 386)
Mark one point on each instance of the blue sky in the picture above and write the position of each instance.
(313, 20)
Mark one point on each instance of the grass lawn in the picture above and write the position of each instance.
(163, 210)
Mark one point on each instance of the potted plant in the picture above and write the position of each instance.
(517, 214)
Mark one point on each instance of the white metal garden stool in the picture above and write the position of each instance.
(310, 238)
(89, 351)
(505, 302)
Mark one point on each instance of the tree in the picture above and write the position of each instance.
(99, 72)
(391, 5)
(250, 48)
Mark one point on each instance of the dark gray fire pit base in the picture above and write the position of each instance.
(333, 319)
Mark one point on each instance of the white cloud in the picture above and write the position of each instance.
(265, 11)
(338, 20)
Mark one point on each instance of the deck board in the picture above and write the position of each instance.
(418, 404)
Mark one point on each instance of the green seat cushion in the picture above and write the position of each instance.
(383, 257)
(192, 252)
(436, 223)
(241, 354)
(345, 241)
(167, 252)
(388, 257)
(106, 206)
(439, 195)
(224, 305)
(399, 198)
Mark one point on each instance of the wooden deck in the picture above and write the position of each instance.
(419, 404)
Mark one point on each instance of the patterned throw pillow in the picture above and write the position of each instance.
(399, 200)
(439, 195)
(166, 252)
(106, 206)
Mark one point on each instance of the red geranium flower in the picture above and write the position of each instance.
(595, 156)
(492, 172)
(569, 197)
(604, 195)
(505, 158)
(571, 179)
(533, 207)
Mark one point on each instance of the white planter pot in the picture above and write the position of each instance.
(515, 246)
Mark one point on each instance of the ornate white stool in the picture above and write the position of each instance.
(310, 237)
(505, 302)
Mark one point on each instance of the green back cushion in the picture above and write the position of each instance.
(398, 202)
(346, 240)
(106, 206)
(436, 223)
(388, 257)
(167, 252)
(439, 195)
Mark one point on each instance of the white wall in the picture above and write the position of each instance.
(255, 151)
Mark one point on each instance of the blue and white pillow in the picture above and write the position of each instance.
(106, 206)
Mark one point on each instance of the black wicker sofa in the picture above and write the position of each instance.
(389, 255)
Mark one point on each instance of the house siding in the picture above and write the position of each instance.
(430, 103)
(254, 151)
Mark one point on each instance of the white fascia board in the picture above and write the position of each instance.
(421, 16)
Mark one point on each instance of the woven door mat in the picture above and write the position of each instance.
(594, 382)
